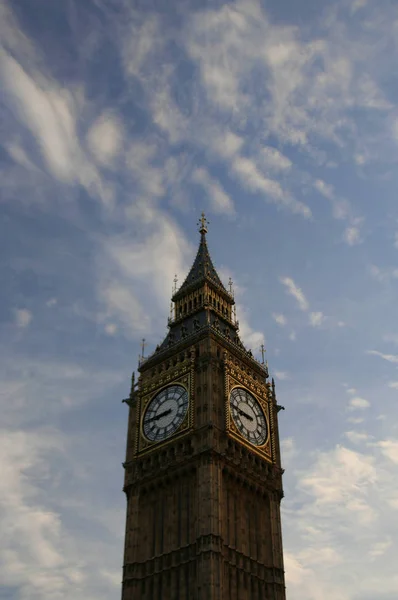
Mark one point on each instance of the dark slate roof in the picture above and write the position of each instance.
(202, 268)
(196, 322)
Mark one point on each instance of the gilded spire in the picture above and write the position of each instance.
(203, 222)
(202, 267)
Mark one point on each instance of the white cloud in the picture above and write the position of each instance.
(380, 548)
(296, 292)
(131, 274)
(111, 328)
(352, 235)
(142, 38)
(390, 449)
(383, 275)
(226, 144)
(139, 160)
(56, 386)
(44, 553)
(288, 451)
(340, 507)
(167, 115)
(393, 385)
(104, 138)
(23, 317)
(121, 301)
(51, 302)
(357, 4)
(274, 159)
(334, 485)
(250, 176)
(292, 336)
(392, 358)
(136, 273)
(391, 337)
(19, 155)
(241, 54)
(279, 318)
(358, 402)
(316, 319)
(357, 437)
(341, 209)
(326, 189)
(251, 338)
(49, 112)
(31, 533)
(218, 198)
(281, 375)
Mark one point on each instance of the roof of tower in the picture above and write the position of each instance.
(202, 267)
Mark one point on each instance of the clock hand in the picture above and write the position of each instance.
(241, 412)
(160, 415)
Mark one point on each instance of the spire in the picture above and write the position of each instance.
(202, 267)
(203, 222)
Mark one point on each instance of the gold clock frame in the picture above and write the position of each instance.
(265, 450)
(144, 445)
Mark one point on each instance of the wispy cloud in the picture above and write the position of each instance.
(23, 317)
(279, 318)
(294, 290)
(218, 198)
(135, 275)
(250, 175)
(115, 132)
(50, 114)
(316, 319)
(390, 449)
(352, 236)
(358, 402)
(281, 375)
(392, 358)
(383, 275)
(105, 138)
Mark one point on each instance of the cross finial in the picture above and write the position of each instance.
(203, 222)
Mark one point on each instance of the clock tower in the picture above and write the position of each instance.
(203, 476)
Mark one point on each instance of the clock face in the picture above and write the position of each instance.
(248, 416)
(165, 413)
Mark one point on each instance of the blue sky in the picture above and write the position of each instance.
(121, 121)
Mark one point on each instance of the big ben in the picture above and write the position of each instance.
(203, 476)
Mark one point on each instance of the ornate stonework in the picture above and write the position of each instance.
(203, 504)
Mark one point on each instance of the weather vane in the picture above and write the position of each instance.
(203, 223)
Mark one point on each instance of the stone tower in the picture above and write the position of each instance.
(203, 475)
